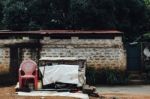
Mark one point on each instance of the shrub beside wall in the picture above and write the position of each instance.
(106, 76)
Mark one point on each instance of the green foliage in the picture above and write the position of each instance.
(123, 15)
(1, 14)
(147, 16)
(146, 35)
(34, 14)
(15, 15)
(106, 76)
(116, 76)
(129, 16)
(92, 14)
(47, 14)
(147, 2)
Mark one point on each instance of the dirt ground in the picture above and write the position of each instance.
(125, 92)
(123, 96)
(9, 93)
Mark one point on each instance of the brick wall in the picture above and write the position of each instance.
(4, 59)
(11, 55)
(100, 53)
(29, 53)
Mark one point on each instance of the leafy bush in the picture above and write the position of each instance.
(105, 76)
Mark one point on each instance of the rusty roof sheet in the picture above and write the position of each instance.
(62, 32)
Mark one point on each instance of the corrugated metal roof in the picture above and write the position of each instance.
(63, 32)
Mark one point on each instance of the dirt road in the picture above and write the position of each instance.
(105, 93)
(125, 92)
(9, 93)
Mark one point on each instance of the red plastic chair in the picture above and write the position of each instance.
(28, 70)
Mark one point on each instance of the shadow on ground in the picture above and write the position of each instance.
(7, 79)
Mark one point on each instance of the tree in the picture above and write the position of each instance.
(147, 16)
(125, 15)
(92, 14)
(48, 14)
(129, 16)
(15, 15)
(147, 2)
(1, 14)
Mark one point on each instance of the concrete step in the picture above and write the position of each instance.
(133, 72)
(135, 76)
(137, 82)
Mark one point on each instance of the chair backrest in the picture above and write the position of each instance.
(28, 66)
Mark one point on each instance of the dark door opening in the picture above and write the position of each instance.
(133, 57)
(14, 65)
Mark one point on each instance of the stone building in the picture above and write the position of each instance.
(100, 48)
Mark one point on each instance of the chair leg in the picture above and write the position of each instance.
(35, 83)
(20, 82)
